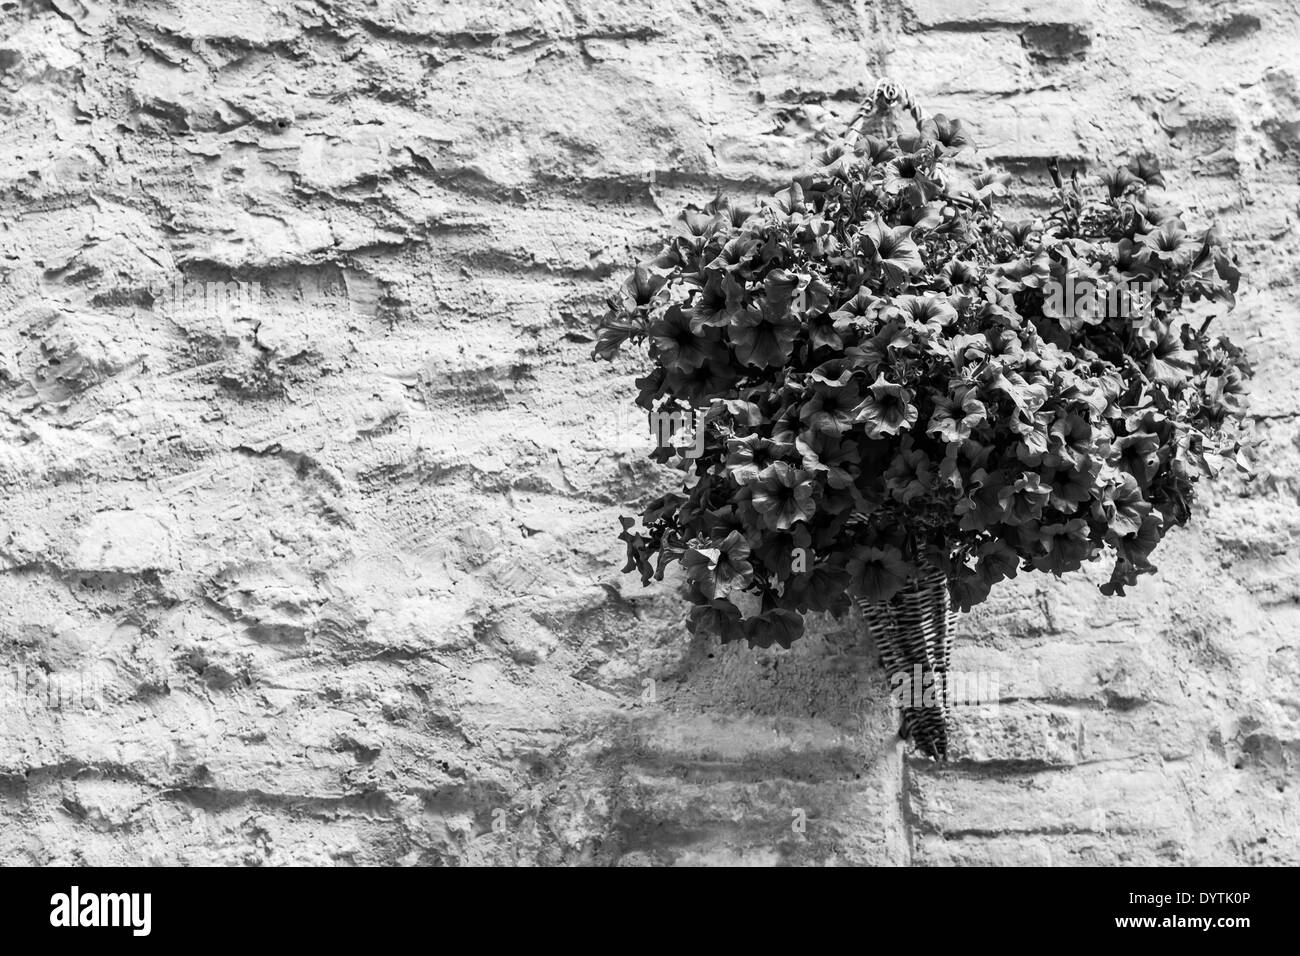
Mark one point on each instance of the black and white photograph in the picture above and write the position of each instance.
(589, 434)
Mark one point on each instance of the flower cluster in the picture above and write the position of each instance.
(886, 382)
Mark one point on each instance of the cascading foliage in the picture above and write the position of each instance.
(888, 375)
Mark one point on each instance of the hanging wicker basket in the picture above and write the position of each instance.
(914, 634)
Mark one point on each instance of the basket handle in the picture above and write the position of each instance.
(888, 93)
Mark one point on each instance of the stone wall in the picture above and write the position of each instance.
(308, 494)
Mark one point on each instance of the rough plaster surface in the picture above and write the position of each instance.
(328, 574)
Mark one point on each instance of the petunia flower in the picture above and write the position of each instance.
(1190, 459)
(719, 302)
(989, 185)
(891, 251)
(1062, 547)
(1070, 442)
(822, 333)
(859, 313)
(820, 588)
(721, 567)
(875, 149)
(1136, 548)
(1169, 362)
(828, 456)
(697, 386)
(983, 506)
(1139, 455)
(677, 345)
(836, 160)
(615, 328)
(776, 550)
(959, 272)
(1004, 346)
(1030, 271)
(1026, 396)
(1147, 169)
(698, 223)
(1033, 432)
(1021, 231)
(955, 419)
(736, 256)
(887, 409)
(751, 455)
(775, 626)
(1069, 488)
(950, 133)
(783, 496)
(997, 561)
(1118, 180)
(733, 212)
(720, 522)
(837, 371)
(873, 352)
(1169, 245)
(765, 335)
(1226, 393)
(718, 616)
(927, 218)
(877, 574)
(964, 350)
(790, 203)
(1023, 499)
(911, 475)
(934, 311)
(832, 409)
(646, 285)
(1122, 506)
(911, 177)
